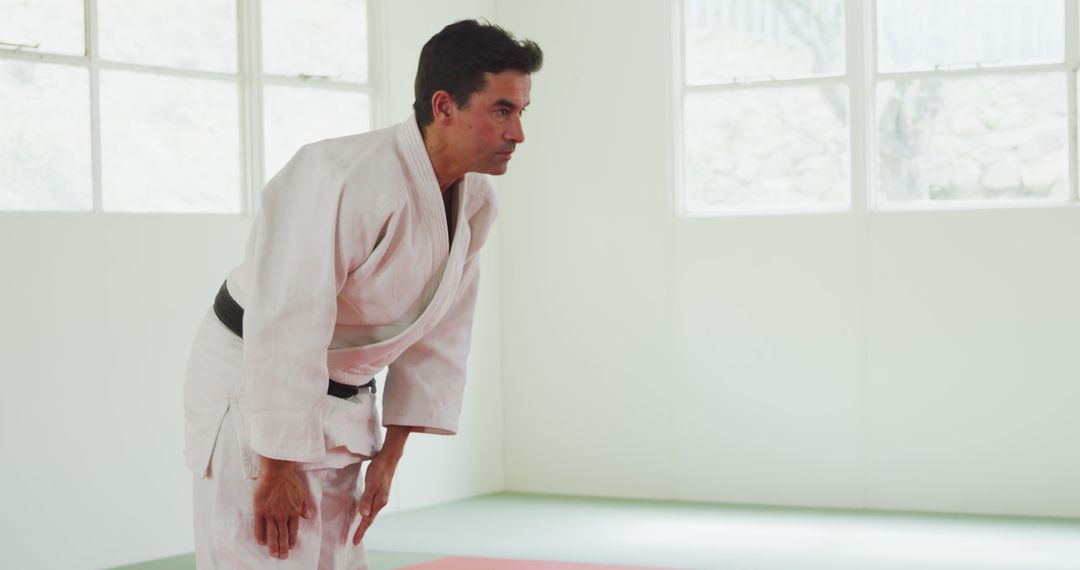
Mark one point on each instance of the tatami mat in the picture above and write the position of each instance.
(514, 531)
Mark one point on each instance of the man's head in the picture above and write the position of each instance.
(472, 84)
(456, 60)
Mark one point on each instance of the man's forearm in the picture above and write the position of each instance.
(394, 445)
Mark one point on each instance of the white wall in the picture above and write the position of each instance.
(97, 313)
(913, 361)
(586, 256)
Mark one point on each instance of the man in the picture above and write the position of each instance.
(363, 255)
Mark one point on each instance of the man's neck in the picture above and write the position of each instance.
(442, 162)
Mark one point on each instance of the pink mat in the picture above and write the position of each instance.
(457, 563)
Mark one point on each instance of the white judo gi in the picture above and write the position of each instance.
(348, 269)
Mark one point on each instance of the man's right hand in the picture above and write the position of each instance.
(281, 500)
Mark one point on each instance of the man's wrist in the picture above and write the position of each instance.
(391, 456)
(275, 465)
(394, 444)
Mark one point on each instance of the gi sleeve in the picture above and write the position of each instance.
(297, 271)
(425, 385)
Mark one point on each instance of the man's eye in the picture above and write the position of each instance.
(503, 113)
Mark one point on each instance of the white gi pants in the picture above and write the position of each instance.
(224, 519)
(223, 509)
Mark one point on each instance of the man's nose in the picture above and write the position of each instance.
(516, 132)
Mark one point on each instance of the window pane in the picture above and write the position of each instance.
(55, 26)
(296, 116)
(980, 138)
(45, 138)
(767, 148)
(316, 37)
(169, 144)
(185, 34)
(922, 34)
(727, 39)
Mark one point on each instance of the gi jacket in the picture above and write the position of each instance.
(349, 268)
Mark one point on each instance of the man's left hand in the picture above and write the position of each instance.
(380, 472)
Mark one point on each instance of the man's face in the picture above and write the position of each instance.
(490, 123)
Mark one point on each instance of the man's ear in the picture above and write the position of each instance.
(442, 107)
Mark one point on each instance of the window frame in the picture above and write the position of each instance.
(249, 79)
(862, 77)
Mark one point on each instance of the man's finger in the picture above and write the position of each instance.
(377, 503)
(283, 538)
(294, 527)
(365, 502)
(260, 530)
(365, 522)
(271, 537)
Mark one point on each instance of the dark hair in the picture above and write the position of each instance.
(456, 59)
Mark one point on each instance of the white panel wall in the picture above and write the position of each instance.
(98, 316)
(921, 361)
(767, 374)
(973, 376)
(97, 313)
(586, 256)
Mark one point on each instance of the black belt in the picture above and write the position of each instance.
(231, 314)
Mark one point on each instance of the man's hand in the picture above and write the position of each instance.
(380, 473)
(376, 493)
(281, 499)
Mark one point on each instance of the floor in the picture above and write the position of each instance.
(697, 536)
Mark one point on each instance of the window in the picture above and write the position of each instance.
(971, 101)
(171, 105)
(954, 102)
(765, 105)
